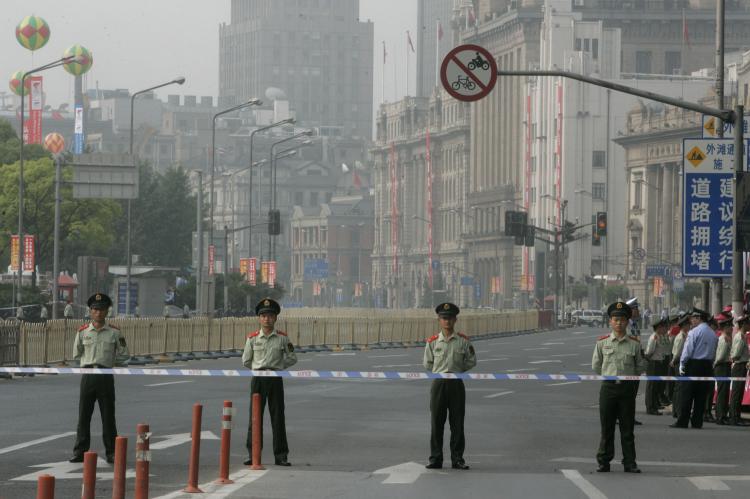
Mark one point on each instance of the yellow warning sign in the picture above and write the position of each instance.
(710, 126)
(696, 156)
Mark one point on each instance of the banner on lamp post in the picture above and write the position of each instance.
(78, 131)
(264, 272)
(243, 267)
(271, 274)
(211, 260)
(14, 253)
(36, 99)
(252, 268)
(29, 243)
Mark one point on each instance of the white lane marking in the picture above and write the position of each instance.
(499, 394)
(545, 362)
(403, 473)
(565, 383)
(583, 484)
(522, 369)
(179, 439)
(386, 356)
(385, 366)
(35, 442)
(304, 360)
(532, 349)
(498, 342)
(579, 332)
(64, 470)
(554, 343)
(490, 360)
(565, 355)
(716, 482)
(585, 364)
(585, 460)
(482, 351)
(169, 383)
(341, 354)
(217, 491)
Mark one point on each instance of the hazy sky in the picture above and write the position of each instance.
(140, 43)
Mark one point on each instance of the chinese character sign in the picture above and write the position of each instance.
(271, 274)
(28, 253)
(211, 259)
(252, 264)
(14, 253)
(708, 207)
(34, 127)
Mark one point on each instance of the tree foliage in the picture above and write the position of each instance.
(614, 292)
(10, 146)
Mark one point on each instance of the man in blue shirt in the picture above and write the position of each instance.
(697, 360)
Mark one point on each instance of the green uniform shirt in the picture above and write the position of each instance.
(722, 350)
(449, 355)
(739, 351)
(679, 344)
(104, 347)
(618, 356)
(658, 347)
(268, 351)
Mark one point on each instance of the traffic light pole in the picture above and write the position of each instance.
(726, 115)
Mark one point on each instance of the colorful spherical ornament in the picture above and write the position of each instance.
(84, 62)
(54, 143)
(15, 83)
(32, 32)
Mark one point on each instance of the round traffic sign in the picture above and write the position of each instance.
(677, 274)
(468, 72)
(639, 253)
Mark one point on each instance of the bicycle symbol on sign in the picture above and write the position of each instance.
(464, 82)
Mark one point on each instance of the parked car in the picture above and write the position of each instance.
(591, 318)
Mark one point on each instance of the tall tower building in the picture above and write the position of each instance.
(317, 51)
(431, 48)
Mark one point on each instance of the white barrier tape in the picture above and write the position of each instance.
(143, 455)
(354, 374)
(227, 411)
(226, 425)
(142, 437)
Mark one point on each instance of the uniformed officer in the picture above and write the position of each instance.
(268, 349)
(617, 354)
(657, 353)
(739, 355)
(98, 345)
(448, 352)
(635, 331)
(677, 345)
(723, 366)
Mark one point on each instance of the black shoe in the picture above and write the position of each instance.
(653, 413)
(697, 427)
(708, 419)
(460, 466)
(632, 469)
(110, 459)
(721, 421)
(636, 422)
(78, 458)
(248, 462)
(675, 425)
(283, 462)
(434, 466)
(603, 468)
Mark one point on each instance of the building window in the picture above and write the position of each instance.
(672, 63)
(598, 190)
(313, 199)
(299, 198)
(577, 45)
(643, 61)
(595, 48)
(637, 194)
(598, 159)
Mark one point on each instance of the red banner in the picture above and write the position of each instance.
(252, 268)
(271, 274)
(28, 253)
(14, 253)
(316, 288)
(357, 289)
(36, 99)
(264, 272)
(243, 266)
(211, 262)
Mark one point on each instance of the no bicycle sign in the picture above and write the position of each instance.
(468, 72)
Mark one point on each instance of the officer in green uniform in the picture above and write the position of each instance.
(657, 353)
(723, 366)
(677, 345)
(739, 355)
(268, 349)
(448, 352)
(617, 354)
(98, 345)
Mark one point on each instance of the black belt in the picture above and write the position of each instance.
(96, 366)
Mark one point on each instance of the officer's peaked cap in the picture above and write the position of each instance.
(447, 310)
(267, 305)
(619, 309)
(99, 300)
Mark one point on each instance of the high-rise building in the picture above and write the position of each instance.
(434, 40)
(317, 52)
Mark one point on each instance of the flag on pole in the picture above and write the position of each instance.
(439, 30)
(385, 54)
(408, 39)
(685, 32)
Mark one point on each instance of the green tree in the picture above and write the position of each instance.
(614, 292)
(687, 296)
(578, 292)
(10, 146)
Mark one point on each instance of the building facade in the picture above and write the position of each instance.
(317, 52)
(435, 37)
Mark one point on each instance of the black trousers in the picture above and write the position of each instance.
(447, 399)
(271, 390)
(693, 394)
(739, 370)
(101, 388)
(676, 389)
(617, 403)
(722, 390)
(655, 389)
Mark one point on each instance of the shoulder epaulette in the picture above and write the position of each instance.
(462, 335)
(600, 338)
(432, 338)
(253, 334)
(634, 338)
(282, 333)
(83, 327)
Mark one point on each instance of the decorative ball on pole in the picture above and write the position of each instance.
(15, 84)
(32, 32)
(82, 62)
(54, 143)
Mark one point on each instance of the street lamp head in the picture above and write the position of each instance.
(254, 102)
(307, 132)
(261, 162)
(179, 80)
(306, 143)
(289, 121)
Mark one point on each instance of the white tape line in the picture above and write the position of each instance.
(583, 484)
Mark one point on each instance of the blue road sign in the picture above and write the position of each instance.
(708, 207)
(467, 280)
(477, 290)
(316, 268)
(658, 271)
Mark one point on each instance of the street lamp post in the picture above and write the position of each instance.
(179, 81)
(54, 64)
(280, 155)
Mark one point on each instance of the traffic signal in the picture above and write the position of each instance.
(595, 239)
(568, 231)
(530, 233)
(515, 224)
(274, 222)
(601, 223)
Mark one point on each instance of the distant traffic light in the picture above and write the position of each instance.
(568, 231)
(595, 239)
(601, 223)
(530, 233)
(274, 222)
(515, 224)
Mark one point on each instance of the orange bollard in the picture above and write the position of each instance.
(142, 460)
(118, 478)
(226, 439)
(195, 451)
(89, 475)
(45, 487)
(257, 435)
